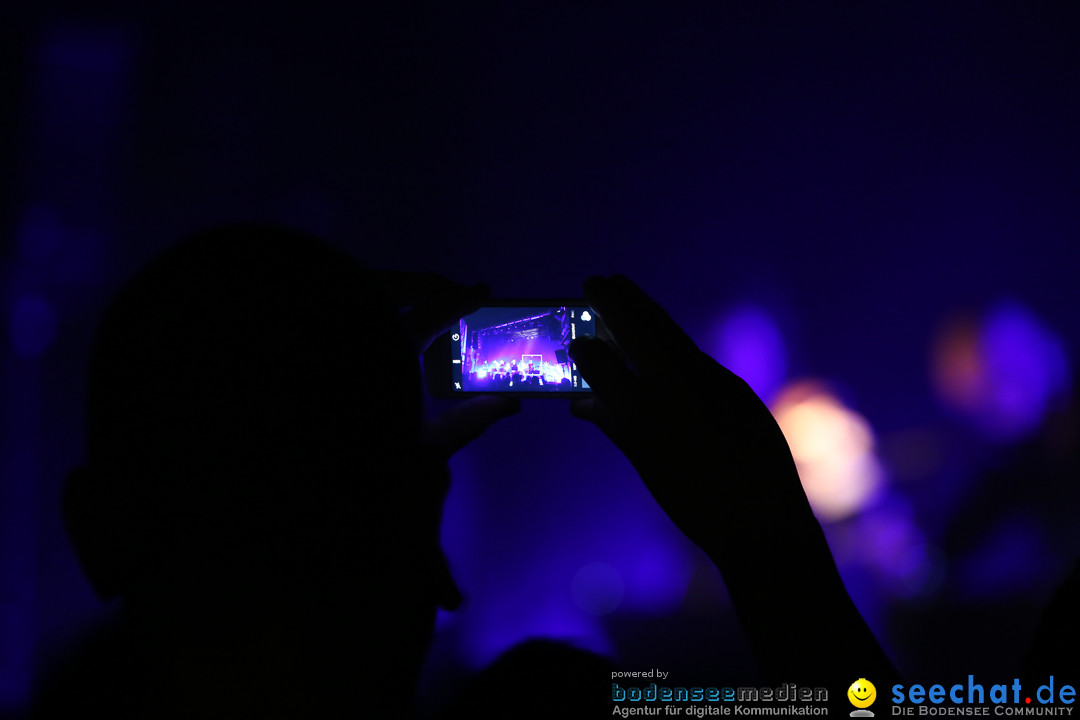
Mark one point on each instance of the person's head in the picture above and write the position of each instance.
(500, 685)
(254, 456)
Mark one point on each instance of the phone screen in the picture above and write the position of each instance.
(517, 348)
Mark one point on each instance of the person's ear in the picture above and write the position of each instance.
(99, 523)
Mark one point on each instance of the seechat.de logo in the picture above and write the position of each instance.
(975, 698)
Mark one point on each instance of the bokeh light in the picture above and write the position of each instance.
(1001, 370)
(748, 342)
(891, 541)
(1015, 557)
(833, 447)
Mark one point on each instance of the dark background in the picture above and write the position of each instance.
(826, 191)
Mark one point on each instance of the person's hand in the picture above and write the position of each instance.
(706, 447)
(430, 305)
(717, 463)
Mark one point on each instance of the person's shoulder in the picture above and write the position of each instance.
(95, 677)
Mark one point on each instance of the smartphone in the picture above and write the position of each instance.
(512, 346)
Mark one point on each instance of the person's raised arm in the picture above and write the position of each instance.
(713, 457)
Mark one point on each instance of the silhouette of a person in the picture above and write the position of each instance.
(260, 488)
(509, 686)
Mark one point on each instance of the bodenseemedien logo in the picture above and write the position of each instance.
(862, 694)
(681, 701)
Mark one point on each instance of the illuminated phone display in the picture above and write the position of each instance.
(519, 349)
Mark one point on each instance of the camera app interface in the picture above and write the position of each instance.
(519, 349)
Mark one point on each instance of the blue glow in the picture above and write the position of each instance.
(33, 326)
(598, 588)
(1025, 367)
(1015, 557)
(530, 595)
(539, 551)
(892, 542)
(77, 94)
(660, 578)
(505, 619)
(749, 344)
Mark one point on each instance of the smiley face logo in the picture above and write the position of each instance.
(862, 693)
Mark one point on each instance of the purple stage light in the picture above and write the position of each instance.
(1003, 370)
(749, 344)
(1026, 369)
(888, 539)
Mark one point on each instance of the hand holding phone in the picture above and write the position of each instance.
(713, 457)
(429, 305)
(706, 446)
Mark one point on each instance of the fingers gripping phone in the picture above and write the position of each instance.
(512, 346)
